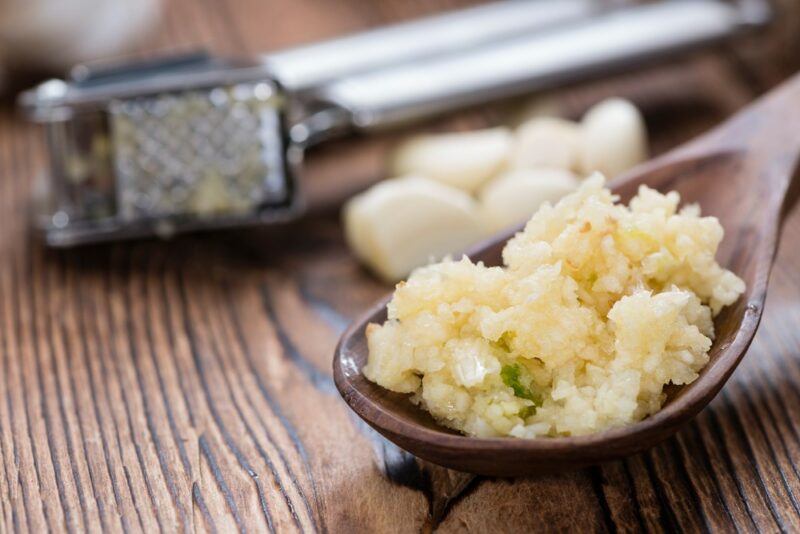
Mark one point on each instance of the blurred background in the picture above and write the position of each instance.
(154, 335)
(40, 38)
(678, 99)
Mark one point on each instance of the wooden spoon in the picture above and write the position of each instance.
(741, 173)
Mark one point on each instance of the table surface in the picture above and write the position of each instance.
(187, 385)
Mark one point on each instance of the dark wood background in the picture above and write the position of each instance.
(186, 386)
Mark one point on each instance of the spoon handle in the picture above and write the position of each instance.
(766, 135)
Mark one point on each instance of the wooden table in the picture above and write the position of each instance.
(187, 386)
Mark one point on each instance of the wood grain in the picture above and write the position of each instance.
(186, 386)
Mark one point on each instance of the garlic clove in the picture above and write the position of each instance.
(357, 225)
(614, 138)
(547, 142)
(404, 223)
(464, 160)
(514, 197)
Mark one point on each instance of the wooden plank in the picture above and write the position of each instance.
(186, 385)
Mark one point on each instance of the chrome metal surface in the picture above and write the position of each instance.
(611, 41)
(311, 66)
(200, 153)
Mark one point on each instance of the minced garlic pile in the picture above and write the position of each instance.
(598, 306)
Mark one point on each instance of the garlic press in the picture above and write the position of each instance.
(193, 142)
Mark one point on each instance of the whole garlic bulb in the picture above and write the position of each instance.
(614, 138)
(56, 34)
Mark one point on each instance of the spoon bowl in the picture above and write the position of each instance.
(741, 173)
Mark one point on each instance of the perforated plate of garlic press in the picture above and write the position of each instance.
(193, 142)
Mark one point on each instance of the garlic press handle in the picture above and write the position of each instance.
(308, 67)
(617, 39)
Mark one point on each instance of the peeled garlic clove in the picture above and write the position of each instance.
(464, 160)
(547, 142)
(614, 138)
(514, 197)
(357, 225)
(404, 223)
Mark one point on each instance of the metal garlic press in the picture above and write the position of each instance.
(195, 142)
